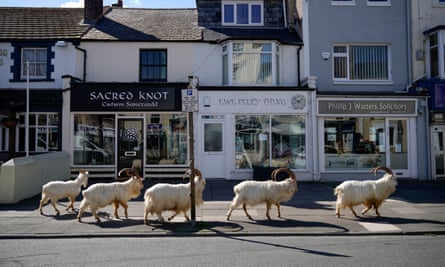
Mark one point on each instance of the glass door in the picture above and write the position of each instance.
(437, 143)
(130, 144)
(397, 138)
(212, 147)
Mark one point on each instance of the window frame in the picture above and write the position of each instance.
(234, 5)
(378, 2)
(343, 2)
(33, 64)
(347, 55)
(18, 65)
(163, 68)
(228, 63)
(440, 53)
(37, 129)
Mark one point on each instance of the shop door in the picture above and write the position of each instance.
(397, 137)
(212, 148)
(437, 143)
(130, 144)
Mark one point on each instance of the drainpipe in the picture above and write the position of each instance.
(409, 42)
(285, 13)
(84, 52)
(298, 66)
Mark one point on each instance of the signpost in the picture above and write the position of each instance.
(190, 105)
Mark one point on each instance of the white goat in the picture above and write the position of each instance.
(102, 194)
(369, 193)
(173, 197)
(56, 190)
(270, 192)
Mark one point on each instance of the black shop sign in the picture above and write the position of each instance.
(125, 99)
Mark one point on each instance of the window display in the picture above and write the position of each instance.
(270, 141)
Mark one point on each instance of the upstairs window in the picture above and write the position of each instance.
(247, 63)
(38, 61)
(366, 63)
(436, 54)
(242, 13)
(153, 65)
(40, 56)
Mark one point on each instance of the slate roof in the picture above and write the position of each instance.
(125, 24)
(41, 23)
(128, 24)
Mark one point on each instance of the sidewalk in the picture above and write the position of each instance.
(415, 208)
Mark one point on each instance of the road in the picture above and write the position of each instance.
(400, 250)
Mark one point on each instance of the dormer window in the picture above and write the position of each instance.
(242, 13)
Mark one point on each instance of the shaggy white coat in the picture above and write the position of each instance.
(102, 194)
(172, 197)
(56, 190)
(252, 193)
(369, 193)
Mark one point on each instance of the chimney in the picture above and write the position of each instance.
(118, 4)
(93, 10)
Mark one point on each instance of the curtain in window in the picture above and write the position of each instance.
(368, 63)
(252, 63)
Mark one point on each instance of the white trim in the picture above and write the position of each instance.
(379, 3)
(343, 3)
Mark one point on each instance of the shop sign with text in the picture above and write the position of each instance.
(367, 107)
(123, 99)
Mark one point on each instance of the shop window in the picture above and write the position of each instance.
(153, 65)
(364, 63)
(94, 139)
(167, 139)
(242, 12)
(270, 141)
(43, 132)
(250, 63)
(4, 137)
(354, 143)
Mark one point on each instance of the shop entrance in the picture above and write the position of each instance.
(130, 145)
(437, 143)
(398, 147)
(212, 146)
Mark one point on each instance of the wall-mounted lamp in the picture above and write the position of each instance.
(325, 55)
(61, 43)
(206, 101)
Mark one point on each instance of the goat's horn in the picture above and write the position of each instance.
(128, 172)
(386, 169)
(287, 170)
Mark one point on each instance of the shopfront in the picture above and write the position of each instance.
(357, 134)
(116, 126)
(239, 131)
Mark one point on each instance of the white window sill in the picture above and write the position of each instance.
(363, 82)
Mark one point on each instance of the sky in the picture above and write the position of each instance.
(79, 3)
